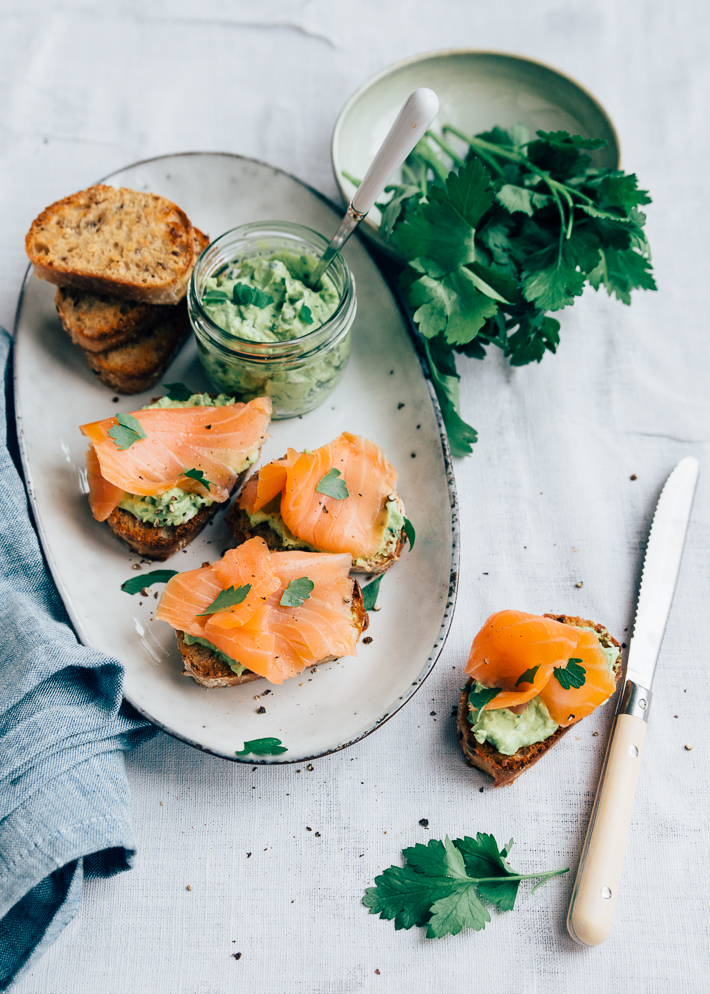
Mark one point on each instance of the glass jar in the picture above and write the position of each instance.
(297, 373)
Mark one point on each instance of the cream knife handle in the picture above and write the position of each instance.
(599, 873)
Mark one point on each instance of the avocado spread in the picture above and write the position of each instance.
(269, 299)
(507, 732)
(285, 306)
(271, 515)
(222, 656)
(175, 506)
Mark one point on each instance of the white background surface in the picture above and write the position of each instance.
(546, 501)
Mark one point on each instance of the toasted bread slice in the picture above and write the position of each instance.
(98, 323)
(503, 768)
(162, 542)
(138, 365)
(241, 527)
(208, 670)
(121, 243)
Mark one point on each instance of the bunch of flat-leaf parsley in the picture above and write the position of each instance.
(443, 885)
(514, 230)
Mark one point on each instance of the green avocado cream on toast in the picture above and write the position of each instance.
(238, 668)
(507, 732)
(271, 516)
(175, 506)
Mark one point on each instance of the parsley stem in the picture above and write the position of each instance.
(520, 876)
(447, 148)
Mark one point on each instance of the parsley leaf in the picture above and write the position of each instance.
(528, 676)
(453, 306)
(127, 431)
(177, 391)
(297, 592)
(331, 486)
(437, 236)
(371, 592)
(305, 314)
(442, 885)
(477, 699)
(571, 675)
(214, 297)
(226, 599)
(469, 191)
(482, 858)
(197, 474)
(410, 533)
(262, 747)
(244, 294)
(442, 367)
(137, 583)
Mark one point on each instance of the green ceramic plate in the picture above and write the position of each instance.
(476, 90)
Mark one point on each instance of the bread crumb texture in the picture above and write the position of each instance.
(137, 244)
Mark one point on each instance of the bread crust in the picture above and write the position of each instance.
(161, 543)
(505, 769)
(97, 323)
(58, 241)
(241, 527)
(208, 670)
(137, 365)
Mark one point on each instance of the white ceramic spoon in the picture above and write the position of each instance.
(415, 117)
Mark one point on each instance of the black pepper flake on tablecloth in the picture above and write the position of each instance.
(261, 710)
(237, 955)
(424, 822)
(367, 640)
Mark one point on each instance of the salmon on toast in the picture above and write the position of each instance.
(257, 613)
(531, 678)
(340, 498)
(158, 475)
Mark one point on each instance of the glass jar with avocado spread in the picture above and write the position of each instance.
(261, 328)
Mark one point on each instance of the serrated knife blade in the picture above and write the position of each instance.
(660, 571)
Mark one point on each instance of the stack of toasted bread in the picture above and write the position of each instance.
(122, 261)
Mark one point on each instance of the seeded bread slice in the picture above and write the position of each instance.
(241, 527)
(504, 769)
(138, 365)
(163, 541)
(98, 323)
(122, 243)
(208, 670)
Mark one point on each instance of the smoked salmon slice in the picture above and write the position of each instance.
(568, 706)
(215, 440)
(270, 639)
(353, 525)
(513, 643)
(523, 654)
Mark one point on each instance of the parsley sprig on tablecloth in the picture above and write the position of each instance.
(443, 884)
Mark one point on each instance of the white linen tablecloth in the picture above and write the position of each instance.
(546, 501)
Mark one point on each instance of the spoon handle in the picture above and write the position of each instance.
(412, 122)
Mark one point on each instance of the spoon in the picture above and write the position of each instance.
(412, 122)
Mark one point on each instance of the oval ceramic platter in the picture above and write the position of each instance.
(384, 395)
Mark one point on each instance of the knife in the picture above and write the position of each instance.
(596, 888)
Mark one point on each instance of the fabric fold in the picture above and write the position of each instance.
(64, 796)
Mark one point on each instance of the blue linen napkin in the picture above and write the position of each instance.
(64, 797)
